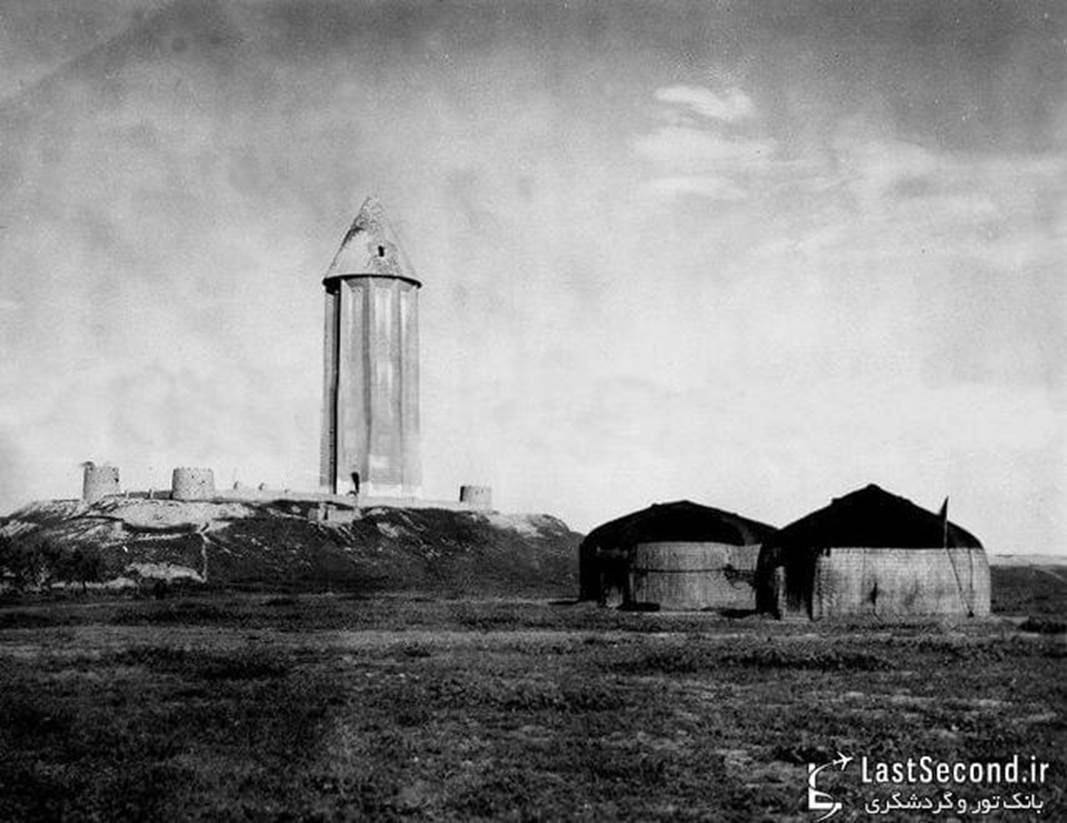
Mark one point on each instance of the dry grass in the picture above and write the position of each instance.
(314, 707)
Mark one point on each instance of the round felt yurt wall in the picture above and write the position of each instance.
(680, 576)
(898, 582)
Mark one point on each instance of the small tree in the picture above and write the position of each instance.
(6, 572)
(82, 565)
(29, 561)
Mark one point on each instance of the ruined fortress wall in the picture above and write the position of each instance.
(99, 482)
(479, 497)
(898, 582)
(192, 484)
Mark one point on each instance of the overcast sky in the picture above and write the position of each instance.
(752, 254)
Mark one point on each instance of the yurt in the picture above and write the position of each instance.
(872, 553)
(673, 556)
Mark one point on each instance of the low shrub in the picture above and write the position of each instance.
(1043, 625)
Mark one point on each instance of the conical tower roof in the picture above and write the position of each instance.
(370, 247)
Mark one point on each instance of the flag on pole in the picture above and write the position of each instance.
(943, 514)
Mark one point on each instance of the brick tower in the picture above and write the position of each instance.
(370, 417)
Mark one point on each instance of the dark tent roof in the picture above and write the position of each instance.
(681, 520)
(873, 517)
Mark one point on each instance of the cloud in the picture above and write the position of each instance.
(880, 167)
(692, 149)
(709, 186)
(700, 151)
(729, 107)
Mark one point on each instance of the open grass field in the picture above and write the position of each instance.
(334, 707)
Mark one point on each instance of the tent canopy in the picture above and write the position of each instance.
(873, 517)
(679, 521)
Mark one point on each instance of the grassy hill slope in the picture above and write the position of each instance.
(275, 545)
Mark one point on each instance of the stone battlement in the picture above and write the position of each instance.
(99, 482)
(199, 484)
(349, 500)
(192, 484)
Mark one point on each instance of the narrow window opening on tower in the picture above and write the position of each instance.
(381, 251)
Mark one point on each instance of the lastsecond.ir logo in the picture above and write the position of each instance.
(818, 800)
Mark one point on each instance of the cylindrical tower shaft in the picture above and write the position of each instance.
(370, 425)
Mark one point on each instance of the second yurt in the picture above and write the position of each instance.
(873, 553)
